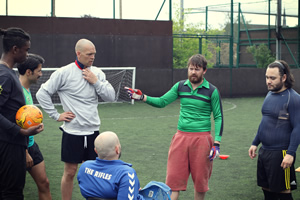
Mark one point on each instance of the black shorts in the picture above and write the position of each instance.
(78, 148)
(271, 175)
(35, 153)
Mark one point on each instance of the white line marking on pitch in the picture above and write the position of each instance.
(233, 106)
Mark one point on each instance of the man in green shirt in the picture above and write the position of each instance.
(29, 73)
(192, 149)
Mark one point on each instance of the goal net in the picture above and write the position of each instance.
(118, 77)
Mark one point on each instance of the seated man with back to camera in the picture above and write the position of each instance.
(107, 177)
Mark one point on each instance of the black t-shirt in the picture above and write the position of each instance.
(11, 99)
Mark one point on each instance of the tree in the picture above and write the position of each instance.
(186, 42)
(261, 55)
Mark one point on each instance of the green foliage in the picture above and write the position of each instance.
(188, 44)
(262, 55)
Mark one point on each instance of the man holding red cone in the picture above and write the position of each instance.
(192, 148)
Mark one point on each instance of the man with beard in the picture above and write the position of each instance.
(279, 134)
(192, 148)
(108, 177)
(29, 73)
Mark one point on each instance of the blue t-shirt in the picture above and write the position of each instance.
(279, 128)
(110, 179)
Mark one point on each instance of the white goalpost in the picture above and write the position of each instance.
(119, 77)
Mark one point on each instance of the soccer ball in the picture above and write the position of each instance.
(29, 115)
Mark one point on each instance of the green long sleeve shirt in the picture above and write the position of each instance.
(196, 106)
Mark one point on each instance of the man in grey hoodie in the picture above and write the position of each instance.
(78, 85)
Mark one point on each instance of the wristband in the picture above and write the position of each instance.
(217, 144)
(142, 97)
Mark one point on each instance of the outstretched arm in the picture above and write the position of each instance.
(158, 102)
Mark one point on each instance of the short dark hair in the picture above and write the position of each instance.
(32, 62)
(13, 37)
(284, 68)
(197, 60)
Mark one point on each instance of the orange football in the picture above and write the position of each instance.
(29, 115)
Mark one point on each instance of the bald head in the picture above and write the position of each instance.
(82, 44)
(107, 146)
(85, 51)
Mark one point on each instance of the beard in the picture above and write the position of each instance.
(195, 79)
(276, 88)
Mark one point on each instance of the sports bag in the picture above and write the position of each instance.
(156, 191)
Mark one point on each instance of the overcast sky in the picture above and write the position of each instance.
(149, 9)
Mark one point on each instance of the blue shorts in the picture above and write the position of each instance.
(78, 148)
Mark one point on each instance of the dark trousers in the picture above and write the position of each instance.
(12, 171)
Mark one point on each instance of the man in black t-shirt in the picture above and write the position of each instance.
(13, 139)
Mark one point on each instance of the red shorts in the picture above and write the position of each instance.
(188, 154)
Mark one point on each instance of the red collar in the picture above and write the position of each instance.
(78, 65)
